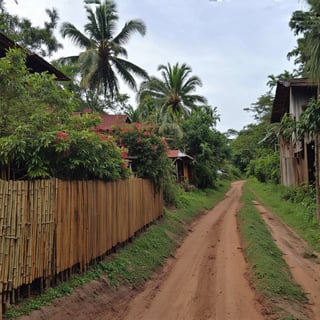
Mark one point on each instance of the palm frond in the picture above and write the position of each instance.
(68, 60)
(131, 27)
(70, 31)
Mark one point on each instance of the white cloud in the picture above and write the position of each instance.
(231, 45)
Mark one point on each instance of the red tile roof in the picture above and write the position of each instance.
(109, 121)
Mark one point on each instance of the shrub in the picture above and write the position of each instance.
(148, 152)
(266, 168)
(40, 137)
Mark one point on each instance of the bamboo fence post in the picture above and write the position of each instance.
(3, 214)
(48, 227)
(1, 302)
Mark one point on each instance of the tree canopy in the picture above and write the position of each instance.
(173, 95)
(40, 40)
(103, 58)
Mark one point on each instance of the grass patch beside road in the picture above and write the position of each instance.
(269, 272)
(135, 263)
(299, 215)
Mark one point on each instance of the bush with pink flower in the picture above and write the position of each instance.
(147, 152)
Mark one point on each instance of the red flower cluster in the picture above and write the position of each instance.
(62, 135)
(154, 147)
(124, 165)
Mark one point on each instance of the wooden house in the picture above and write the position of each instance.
(296, 156)
(183, 165)
(108, 121)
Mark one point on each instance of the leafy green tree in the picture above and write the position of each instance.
(307, 52)
(40, 40)
(307, 23)
(172, 95)
(206, 145)
(257, 139)
(101, 59)
(40, 137)
(265, 168)
(285, 75)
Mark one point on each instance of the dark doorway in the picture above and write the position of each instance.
(311, 159)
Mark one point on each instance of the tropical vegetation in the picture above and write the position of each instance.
(148, 152)
(103, 58)
(172, 97)
(40, 40)
(40, 137)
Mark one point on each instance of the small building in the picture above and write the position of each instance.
(183, 165)
(111, 121)
(108, 121)
(296, 156)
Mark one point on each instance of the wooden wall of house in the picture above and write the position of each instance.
(293, 165)
(50, 228)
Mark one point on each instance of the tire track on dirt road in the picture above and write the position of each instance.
(306, 272)
(207, 277)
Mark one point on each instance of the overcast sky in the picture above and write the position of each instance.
(232, 45)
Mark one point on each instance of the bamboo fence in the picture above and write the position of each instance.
(51, 228)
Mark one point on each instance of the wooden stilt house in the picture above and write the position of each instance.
(296, 155)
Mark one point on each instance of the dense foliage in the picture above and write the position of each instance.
(206, 145)
(39, 136)
(40, 40)
(171, 97)
(253, 150)
(104, 55)
(265, 168)
(147, 151)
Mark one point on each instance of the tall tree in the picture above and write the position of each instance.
(307, 23)
(256, 140)
(101, 59)
(206, 145)
(285, 75)
(173, 94)
(40, 40)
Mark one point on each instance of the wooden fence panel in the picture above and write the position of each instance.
(50, 226)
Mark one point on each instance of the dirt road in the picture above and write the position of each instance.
(206, 279)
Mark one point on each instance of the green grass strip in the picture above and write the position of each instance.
(296, 215)
(135, 263)
(269, 272)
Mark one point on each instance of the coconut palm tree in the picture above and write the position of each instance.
(104, 51)
(173, 95)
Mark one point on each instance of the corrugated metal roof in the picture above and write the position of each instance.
(177, 154)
